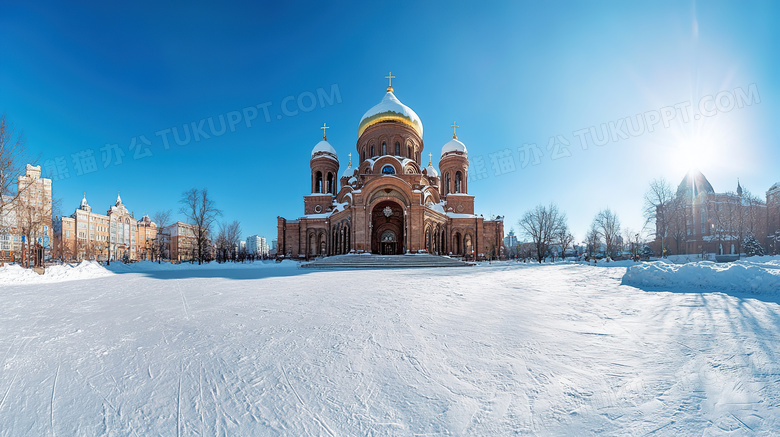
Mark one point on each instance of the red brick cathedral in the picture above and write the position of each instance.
(389, 203)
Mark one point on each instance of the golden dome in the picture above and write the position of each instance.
(390, 109)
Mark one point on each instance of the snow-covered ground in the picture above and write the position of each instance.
(269, 349)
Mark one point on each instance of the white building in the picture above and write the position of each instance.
(257, 245)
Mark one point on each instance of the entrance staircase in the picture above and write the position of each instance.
(353, 261)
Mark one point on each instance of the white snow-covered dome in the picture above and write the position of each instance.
(454, 145)
(348, 172)
(84, 203)
(390, 109)
(323, 147)
(431, 171)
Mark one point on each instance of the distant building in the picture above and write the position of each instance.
(29, 212)
(257, 245)
(510, 243)
(700, 220)
(116, 235)
(181, 241)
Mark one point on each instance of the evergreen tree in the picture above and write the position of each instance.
(752, 246)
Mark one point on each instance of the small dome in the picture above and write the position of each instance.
(323, 147)
(390, 109)
(431, 171)
(454, 145)
(84, 203)
(348, 172)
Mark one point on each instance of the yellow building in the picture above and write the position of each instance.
(113, 236)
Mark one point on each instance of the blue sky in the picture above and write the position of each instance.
(78, 77)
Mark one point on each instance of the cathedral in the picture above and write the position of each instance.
(387, 202)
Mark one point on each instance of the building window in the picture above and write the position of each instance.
(458, 182)
(372, 151)
(388, 169)
(384, 148)
(397, 149)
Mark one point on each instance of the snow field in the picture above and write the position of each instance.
(490, 350)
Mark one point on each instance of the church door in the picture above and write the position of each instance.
(387, 222)
(389, 243)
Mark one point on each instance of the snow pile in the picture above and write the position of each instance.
(739, 276)
(15, 274)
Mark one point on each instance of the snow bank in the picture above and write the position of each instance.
(741, 276)
(15, 274)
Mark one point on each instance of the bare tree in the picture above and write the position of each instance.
(657, 209)
(564, 238)
(593, 240)
(607, 224)
(201, 212)
(162, 219)
(33, 215)
(228, 238)
(12, 151)
(541, 225)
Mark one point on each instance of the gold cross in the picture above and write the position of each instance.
(454, 133)
(350, 159)
(390, 78)
(324, 126)
(430, 159)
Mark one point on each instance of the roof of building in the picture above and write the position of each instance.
(390, 109)
(693, 184)
(323, 147)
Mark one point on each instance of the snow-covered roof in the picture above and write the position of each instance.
(453, 145)
(323, 147)
(390, 109)
(348, 172)
(431, 171)
(460, 215)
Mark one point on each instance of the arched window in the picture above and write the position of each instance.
(330, 183)
(317, 183)
(409, 155)
(388, 169)
(397, 149)
(364, 155)
(372, 151)
(458, 182)
(446, 184)
(384, 148)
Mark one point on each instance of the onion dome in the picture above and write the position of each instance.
(454, 145)
(390, 109)
(349, 171)
(324, 147)
(430, 170)
(84, 203)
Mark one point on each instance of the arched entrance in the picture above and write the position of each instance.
(387, 223)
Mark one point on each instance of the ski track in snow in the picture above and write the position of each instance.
(491, 350)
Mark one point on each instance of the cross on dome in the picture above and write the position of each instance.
(430, 159)
(454, 126)
(390, 78)
(324, 126)
(350, 159)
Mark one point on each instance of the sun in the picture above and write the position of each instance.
(692, 154)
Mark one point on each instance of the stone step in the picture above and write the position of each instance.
(383, 262)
